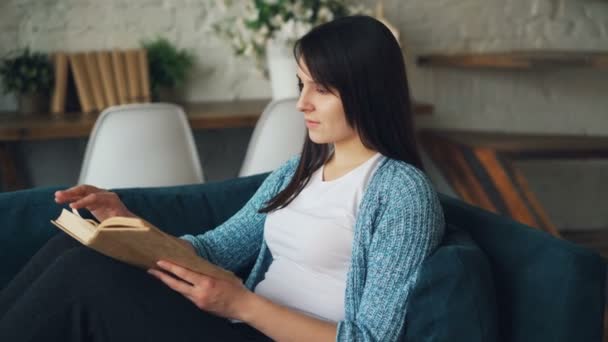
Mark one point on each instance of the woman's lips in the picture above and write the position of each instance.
(311, 124)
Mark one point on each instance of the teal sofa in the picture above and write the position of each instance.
(492, 279)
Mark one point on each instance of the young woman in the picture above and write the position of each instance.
(337, 233)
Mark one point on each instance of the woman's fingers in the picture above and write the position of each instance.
(174, 283)
(180, 272)
(75, 193)
(93, 201)
(100, 202)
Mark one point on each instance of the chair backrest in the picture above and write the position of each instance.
(278, 135)
(141, 145)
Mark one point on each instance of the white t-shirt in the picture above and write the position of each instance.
(311, 243)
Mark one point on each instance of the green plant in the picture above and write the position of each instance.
(168, 65)
(26, 72)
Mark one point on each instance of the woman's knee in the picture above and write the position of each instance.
(90, 268)
(61, 241)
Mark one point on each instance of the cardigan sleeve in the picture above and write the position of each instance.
(408, 228)
(237, 241)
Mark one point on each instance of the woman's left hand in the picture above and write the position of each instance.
(220, 297)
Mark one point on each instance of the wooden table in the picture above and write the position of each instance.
(480, 167)
(16, 128)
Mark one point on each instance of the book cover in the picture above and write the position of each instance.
(95, 80)
(120, 76)
(60, 87)
(104, 61)
(133, 75)
(136, 242)
(77, 65)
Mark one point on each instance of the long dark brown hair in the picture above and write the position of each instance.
(358, 57)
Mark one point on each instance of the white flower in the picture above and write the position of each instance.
(248, 31)
(264, 30)
(248, 50)
(287, 31)
(308, 14)
(324, 14)
(298, 10)
(252, 15)
(260, 36)
(277, 21)
(301, 28)
(358, 9)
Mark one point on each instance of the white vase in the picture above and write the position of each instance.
(281, 70)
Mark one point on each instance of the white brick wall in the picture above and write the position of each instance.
(538, 101)
(566, 101)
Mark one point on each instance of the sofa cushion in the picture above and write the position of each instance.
(24, 226)
(454, 297)
(549, 288)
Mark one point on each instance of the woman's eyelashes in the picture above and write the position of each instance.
(322, 90)
(319, 89)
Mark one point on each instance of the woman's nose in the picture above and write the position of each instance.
(303, 105)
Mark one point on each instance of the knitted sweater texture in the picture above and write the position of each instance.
(399, 223)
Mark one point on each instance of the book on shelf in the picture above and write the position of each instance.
(78, 67)
(120, 76)
(60, 86)
(136, 242)
(104, 61)
(144, 75)
(95, 80)
(132, 61)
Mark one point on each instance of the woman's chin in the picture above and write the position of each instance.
(316, 139)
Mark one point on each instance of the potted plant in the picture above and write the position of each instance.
(169, 67)
(30, 76)
(267, 30)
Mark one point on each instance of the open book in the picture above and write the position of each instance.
(136, 242)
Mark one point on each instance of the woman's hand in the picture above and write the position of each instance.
(223, 298)
(101, 203)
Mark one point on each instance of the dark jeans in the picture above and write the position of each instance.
(68, 292)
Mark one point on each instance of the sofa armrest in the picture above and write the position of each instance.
(24, 226)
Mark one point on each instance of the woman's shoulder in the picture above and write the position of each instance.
(398, 180)
(284, 171)
(393, 172)
(403, 189)
(289, 167)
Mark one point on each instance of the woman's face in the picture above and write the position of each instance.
(323, 111)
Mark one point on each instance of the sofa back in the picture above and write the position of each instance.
(546, 289)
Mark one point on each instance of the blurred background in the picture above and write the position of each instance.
(554, 86)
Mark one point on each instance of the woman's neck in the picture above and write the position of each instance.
(349, 155)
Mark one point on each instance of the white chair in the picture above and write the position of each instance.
(141, 145)
(278, 135)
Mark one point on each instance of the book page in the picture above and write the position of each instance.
(136, 242)
(122, 222)
(83, 230)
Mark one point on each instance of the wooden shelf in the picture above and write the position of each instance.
(528, 145)
(481, 167)
(207, 115)
(44, 126)
(519, 60)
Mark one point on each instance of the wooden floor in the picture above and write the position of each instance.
(593, 239)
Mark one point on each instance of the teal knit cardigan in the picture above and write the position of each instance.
(399, 223)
